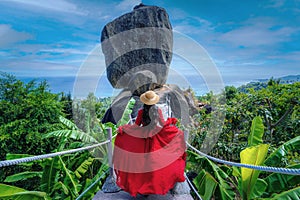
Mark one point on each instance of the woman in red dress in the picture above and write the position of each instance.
(149, 156)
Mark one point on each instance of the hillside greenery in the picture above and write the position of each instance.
(261, 126)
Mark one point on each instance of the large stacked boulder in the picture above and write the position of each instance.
(138, 49)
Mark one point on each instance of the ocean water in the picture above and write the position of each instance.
(67, 84)
(81, 87)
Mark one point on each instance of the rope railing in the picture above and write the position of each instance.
(109, 141)
(256, 167)
(192, 186)
(50, 155)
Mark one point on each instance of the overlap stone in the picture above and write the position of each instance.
(141, 40)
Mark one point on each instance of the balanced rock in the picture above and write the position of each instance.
(141, 40)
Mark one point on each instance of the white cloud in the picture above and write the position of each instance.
(39, 68)
(57, 6)
(291, 56)
(275, 3)
(65, 51)
(258, 32)
(127, 5)
(9, 36)
(177, 14)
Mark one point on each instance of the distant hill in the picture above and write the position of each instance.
(262, 83)
(284, 79)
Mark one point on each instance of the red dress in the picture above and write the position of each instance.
(149, 161)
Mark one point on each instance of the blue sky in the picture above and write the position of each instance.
(246, 40)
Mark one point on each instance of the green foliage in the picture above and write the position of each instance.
(126, 115)
(27, 112)
(256, 132)
(269, 114)
(35, 121)
(22, 176)
(50, 173)
(77, 169)
(277, 104)
(83, 168)
(254, 155)
(279, 155)
(12, 192)
(206, 184)
(213, 176)
(287, 195)
(277, 182)
(32, 121)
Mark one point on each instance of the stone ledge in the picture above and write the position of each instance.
(125, 196)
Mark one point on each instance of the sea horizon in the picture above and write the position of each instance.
(66, 84)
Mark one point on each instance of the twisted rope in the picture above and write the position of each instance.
(50, 155)
(192, 186)
(261, 168)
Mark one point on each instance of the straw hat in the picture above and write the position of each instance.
(149, 98)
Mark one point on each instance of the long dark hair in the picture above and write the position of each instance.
(150, 115)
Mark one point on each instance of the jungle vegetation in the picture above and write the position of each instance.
(261, 126)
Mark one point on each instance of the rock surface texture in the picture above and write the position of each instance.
(139, 41)
(125, 196)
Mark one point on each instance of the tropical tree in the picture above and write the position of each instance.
(27, 112)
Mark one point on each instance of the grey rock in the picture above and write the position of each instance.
(181, 188)
(137, 41)
(181, 103)
(110, 185)
(125, 196)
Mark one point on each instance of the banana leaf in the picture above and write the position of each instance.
(22, 176)
(254, 155)
(259, 188)
(60, 186)
(281, 182)
(82, 169)
(223, 189)
(68, 123)
(50, 172)
(74, 134)
(70, 179)
(16, 193)
(125, 117)
(275, 158)
(293, 194)
(257, 132)
(92, 191)
(205, 184)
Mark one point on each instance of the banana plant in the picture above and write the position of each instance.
(286, 195)
(254, 154)
(126, 114)
(278, 156)
(212, 179)
(282, 182)
(11, 192)
(76, 166)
